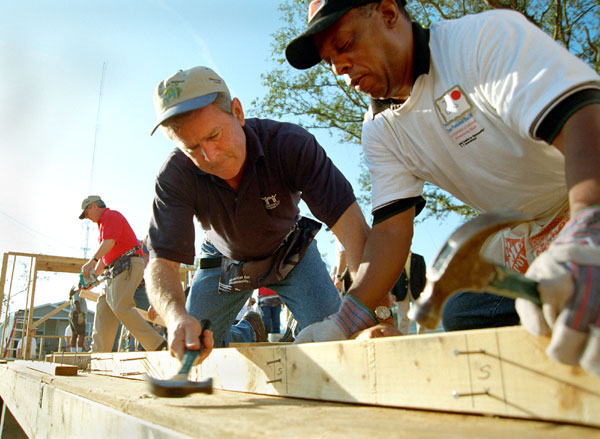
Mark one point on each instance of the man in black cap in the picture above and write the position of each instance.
(492, 110)
(242, 179)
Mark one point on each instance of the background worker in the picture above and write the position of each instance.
(77, 321)
(120, 253)
(242, 179)
(342, 277)
(68, 335)
(408, 289)
(32, 345)
(511, 123)
(270, 306)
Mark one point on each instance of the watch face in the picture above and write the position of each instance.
(383, 312)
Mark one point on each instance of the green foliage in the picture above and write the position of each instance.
(317, 99)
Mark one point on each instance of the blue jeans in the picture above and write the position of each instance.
(307, 291)
(140, 297)
(478, 310)
(271, 318)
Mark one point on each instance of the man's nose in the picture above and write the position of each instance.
(209, 152)
(340, 65)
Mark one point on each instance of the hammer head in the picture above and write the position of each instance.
(458, 266)
(178, 386)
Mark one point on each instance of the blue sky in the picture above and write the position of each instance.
(52, 56)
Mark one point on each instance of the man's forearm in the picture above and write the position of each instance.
(105, 246)
(352, 231)
(164, 287)
(383, 260)
(579, 140)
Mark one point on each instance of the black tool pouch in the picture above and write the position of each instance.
(122, 263)
(248, 275)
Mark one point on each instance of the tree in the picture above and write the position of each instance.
(317, 99)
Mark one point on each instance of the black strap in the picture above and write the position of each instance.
(210, 262)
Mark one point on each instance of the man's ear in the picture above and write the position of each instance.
(238, 111)
(389, 11)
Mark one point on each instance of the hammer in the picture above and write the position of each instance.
(179, 385)
(458, 266)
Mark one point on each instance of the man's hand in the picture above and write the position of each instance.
(377, 331)
(184, 332)
(352, 317)
(338, 283)
(569, 286)
(152, 314)
(88, 267)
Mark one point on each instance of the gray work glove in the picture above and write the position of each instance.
(352, 317)
(569, 285)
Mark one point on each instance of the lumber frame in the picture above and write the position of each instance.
(50, 368)
(502, 371)
(48, 407)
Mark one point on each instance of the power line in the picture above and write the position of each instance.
(96, 130)
(35, 232)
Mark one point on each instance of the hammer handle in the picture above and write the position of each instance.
(512, 284)
(190, 356)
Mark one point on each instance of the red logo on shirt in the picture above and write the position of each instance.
(540, 242)
(515, 254)
(314, 7)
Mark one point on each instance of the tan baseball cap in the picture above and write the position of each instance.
(90, 199)
(185, 91)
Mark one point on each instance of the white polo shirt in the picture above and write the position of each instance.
(468, 126)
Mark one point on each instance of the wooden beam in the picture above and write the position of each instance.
(93, 296)
(2, 282)
(59, 264)
(51, 368)
(107, 407)
(55, 408)
(50, 314)
(158, 320)
(502, 372)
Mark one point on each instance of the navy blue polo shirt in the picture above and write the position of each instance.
(284, 164)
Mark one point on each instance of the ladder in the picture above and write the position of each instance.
(18, 326)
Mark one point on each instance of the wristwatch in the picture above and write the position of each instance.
(383, 312)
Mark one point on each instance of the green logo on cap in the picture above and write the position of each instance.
(171, 91)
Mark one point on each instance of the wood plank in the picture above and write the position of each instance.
(502, 372)
(93, 296)
(51, 368)
(50, 314)
(158, 320)
(115, 407)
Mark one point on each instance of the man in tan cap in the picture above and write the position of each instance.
(243, 180)
(121, 255)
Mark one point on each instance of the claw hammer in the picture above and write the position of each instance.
(458, 266)
(179, 385)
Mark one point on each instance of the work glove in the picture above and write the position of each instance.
(352, 317)
(569, 286)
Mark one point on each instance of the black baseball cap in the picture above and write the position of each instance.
(301, 52)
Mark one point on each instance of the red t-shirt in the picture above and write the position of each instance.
(262, 291)
(113, 225)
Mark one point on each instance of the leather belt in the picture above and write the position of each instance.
(210, 262)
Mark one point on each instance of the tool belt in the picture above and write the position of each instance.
(248, 275)
(122, 263)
